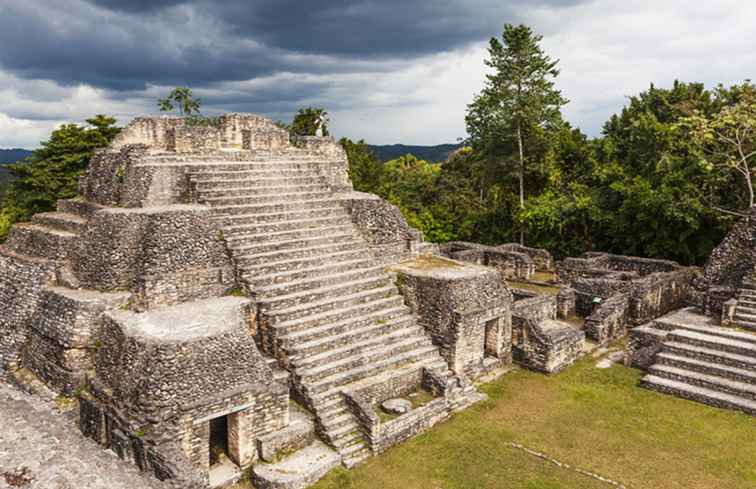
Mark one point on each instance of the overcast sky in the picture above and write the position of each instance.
(387, 71)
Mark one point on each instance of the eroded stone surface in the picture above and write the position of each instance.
(397, 406)
(34, 434)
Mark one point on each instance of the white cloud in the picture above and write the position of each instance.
(608, 50)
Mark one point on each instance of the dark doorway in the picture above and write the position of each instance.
(218, 440)
(491, 339)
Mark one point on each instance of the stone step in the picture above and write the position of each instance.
(344, 429)
(286, 301)
(329, 398)
(253, 256)
(358, 446)
(233, 207)
(221, 184)
(231, 228)
(746, 309)
(277, 221)
(707, 367)
(202, 164)
(251, 266)
(361, 372)
(352, 342)
(382, 351)
(301, 469)
(353, 460)
(240, 239)
(333, 422)
(250, 171)
(744, 318)
(78, 207)
(348, 439)
(268, 198)
(61, 221)
(713, 382)
(332, 304)
(261, 190)
(299, 331)
(318, 281)
(700, 394)
(709, 354)
(727, 333)
(746, 325)
(257, 281)
(746, 301)
(40, 241)
(714, 342)
(239, 246)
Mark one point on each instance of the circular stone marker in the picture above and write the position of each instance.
(397, 406)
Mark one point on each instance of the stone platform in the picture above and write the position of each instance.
(36, 435)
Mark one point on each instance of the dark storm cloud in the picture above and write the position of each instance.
(126, 44)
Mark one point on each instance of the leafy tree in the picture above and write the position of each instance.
(727, 139)
(364, 168)
(183, 98)
(306, 122)
(519, 99)
(53, 171)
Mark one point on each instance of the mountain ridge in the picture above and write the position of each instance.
(439, 152)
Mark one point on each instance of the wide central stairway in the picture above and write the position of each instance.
(703, 362)
(332, 315)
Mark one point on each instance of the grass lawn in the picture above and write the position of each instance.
(594, 419)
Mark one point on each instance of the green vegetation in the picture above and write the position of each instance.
(184, 100)
(665, 179)
(594, 419)
(306, 122)
(52, 172)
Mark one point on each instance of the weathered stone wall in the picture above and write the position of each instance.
(545, 346)
(59, 349)
(512, 264)
(151, 377)
(21, 282)
(609, 321)
(542, 258)
(165, 255)
(465, 308)
(536, 308)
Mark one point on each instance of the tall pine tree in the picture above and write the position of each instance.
(518, 102)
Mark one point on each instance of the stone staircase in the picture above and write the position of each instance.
(332, 316)
(745, 312)
(704, 363)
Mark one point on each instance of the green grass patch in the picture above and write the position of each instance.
(595, 419)
(540, 289)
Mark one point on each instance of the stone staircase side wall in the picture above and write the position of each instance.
(164, 256)
(21, 284)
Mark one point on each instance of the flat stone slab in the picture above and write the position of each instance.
(184, 322)
(35, 435)
(397, 406)
(441, 268)
(299, 470)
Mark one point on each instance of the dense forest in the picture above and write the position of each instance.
(666, 178)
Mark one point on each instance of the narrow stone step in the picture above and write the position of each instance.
(353, 460)
(247, 256)
(235, 206)
(720, 333)
(744, 316)
(239, 239)
(745, 309)
(353, 342)
(699, 394)
(334, 422)
(251, 266)
(282, 278)
(709, 354)
(715, 342)
(344, 429)
(263, 199)
(356, 374)
(285, 301)
(746, 325)
(291, 244)
(332, 303)
(707, 367)
(239, 227)
(61, 221)
(318, 281)
(277, 221)
(713, 382)
(78, 207)
(40, 241)
(222, 184)
(374, 353)
(331, 322)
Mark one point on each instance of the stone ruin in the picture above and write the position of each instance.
(219, 299)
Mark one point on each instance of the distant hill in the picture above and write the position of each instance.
(428, 153)
(13, 155)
